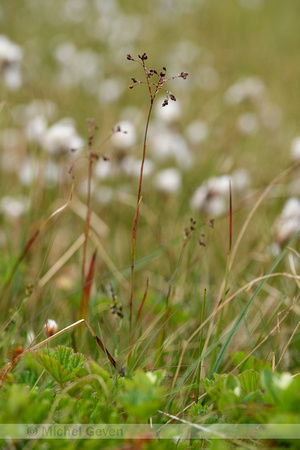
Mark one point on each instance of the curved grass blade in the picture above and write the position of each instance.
(239, 320)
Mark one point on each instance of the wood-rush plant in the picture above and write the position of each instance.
(155, 81)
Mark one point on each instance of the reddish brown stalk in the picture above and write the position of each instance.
(89, 201)
(154, 88)
(137, 317)
(135, 221)
(83, 308)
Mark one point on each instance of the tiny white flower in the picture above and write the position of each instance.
(152, 377)
(50, 327)
(237, 391)
(284, 380)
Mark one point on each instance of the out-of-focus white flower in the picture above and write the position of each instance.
(152, 377)
(31, 170)
(28, 172)
(44, 109)
(251, 88)
(197, 131)
(36, 128)
(170, 113)
(288, 223)
(12, 207)
(78, 67)
(50, 327)
(10, 59)
(291, 208)
(105, 169)
(248, 123)
(241, 181)
(212, 196)
(166, 144)
(110, 90)
(132, 166)
(168, 181)
(295, 149)
(284, 380)
(62, 138)
(126, 138)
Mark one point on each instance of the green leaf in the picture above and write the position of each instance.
(249, 381)
(57, 371)
(250, 363)
(142, 395)
(66, 356)
(62, 364)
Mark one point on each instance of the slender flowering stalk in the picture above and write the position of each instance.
(155, 82)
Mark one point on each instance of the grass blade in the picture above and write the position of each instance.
(239, 320)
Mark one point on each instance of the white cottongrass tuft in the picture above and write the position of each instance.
(295, 149)
(62, 138)
(168, 181)
(10, 63)
(78, 67)
(110, 90)
(170, 113)
(251, 88)
(105, 169)
(212, 196)
(197, 131)
(288, 222)
(12, 208)
(168, 145)
(126, 138)
(31, 170)
(132, 166)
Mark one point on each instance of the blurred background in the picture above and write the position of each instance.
(236, 118)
